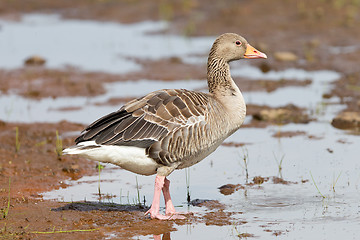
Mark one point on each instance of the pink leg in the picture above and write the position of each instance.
(169, 206)
(157, 237)
(155, 206)
(162, 184)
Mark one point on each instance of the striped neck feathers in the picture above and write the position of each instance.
(219, 78)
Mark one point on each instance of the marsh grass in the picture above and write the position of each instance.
(65, 231)
(166, 10)
(335, 181)
(99, 167)
(333, 185)
(59, 146)
(187, 179)
(241, 235)
(40, 144)
(5, 212)
(317, 186)
(17, 140)
(279, 164)
(245, 159)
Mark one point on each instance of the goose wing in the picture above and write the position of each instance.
(154, 122)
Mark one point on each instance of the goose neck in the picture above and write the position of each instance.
(218, 76)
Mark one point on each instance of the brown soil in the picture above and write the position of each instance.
(306, 28)
(289, 134)
(35, 167)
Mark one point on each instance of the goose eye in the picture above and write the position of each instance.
(238, 43)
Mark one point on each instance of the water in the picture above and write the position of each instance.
(295, 211)
(90, 45)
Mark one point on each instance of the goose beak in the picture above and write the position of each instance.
(251, 52)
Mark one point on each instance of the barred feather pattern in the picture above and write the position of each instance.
(218, 74)
(172, 124)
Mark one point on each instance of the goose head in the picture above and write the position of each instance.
(231, 47)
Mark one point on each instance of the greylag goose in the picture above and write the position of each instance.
(172, 128)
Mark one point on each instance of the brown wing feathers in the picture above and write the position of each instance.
(157, 122)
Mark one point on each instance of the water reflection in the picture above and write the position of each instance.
(165, 236)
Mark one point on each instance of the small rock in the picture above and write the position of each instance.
(278, 180)
(330, 150)
(264, 67)
(35, 60)
(283, 115)
(229, 189)
(347, 120)
(258, 180)
(210, 204)
(272, 114)
(74, 168)
(285, 56)
(245, 235)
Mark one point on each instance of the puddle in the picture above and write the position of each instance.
(90, 45)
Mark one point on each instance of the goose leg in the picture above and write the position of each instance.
(162, 184)
(169, 206)
(155, 206)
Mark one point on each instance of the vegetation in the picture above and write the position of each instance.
(5, 211)
(187, 178)
(99, 167)
(17, 141)
(59, 146)
(279, 164)
(316, 186)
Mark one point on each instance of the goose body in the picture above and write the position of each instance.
(172, 128)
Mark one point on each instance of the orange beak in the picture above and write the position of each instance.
(251, 52)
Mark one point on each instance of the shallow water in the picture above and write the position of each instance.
(90, 45)
(293, 211)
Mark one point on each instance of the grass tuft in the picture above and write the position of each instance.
(99, 167)
(5, 212)
(59, 146)
(17, 140)
(187, 178)
(66, 231)
(335, 181)
(245, 159)
(279, 163)
(316, 186)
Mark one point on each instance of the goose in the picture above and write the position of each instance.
(172, 129)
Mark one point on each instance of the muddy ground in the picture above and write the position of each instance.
(309, 29)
